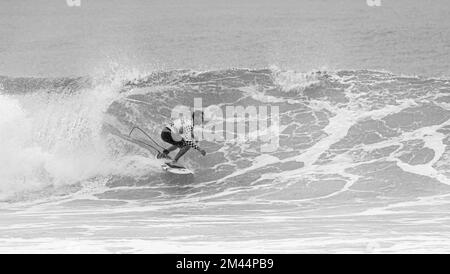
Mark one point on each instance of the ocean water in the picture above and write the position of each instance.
(364, 105)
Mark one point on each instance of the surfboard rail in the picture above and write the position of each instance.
(180, 170)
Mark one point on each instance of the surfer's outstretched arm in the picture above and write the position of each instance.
(190, 142)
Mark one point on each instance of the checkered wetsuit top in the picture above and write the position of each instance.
(185, 128)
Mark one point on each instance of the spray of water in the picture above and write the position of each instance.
(52, 138)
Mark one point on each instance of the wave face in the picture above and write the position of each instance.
(351, 142)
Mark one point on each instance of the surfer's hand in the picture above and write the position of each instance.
(203, 152)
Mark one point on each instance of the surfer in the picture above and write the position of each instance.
(180, 134)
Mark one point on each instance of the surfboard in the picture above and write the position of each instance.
(180, 170)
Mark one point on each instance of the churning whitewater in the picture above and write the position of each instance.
(352, 144)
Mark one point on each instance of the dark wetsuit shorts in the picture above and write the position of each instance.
(166, 136)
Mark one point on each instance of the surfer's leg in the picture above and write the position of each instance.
(165, 152)
(170, 149)
(180, 153)
(166, 136)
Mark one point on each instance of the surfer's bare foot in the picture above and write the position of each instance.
(174, 163)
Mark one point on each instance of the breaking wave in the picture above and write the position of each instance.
(351, 134)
